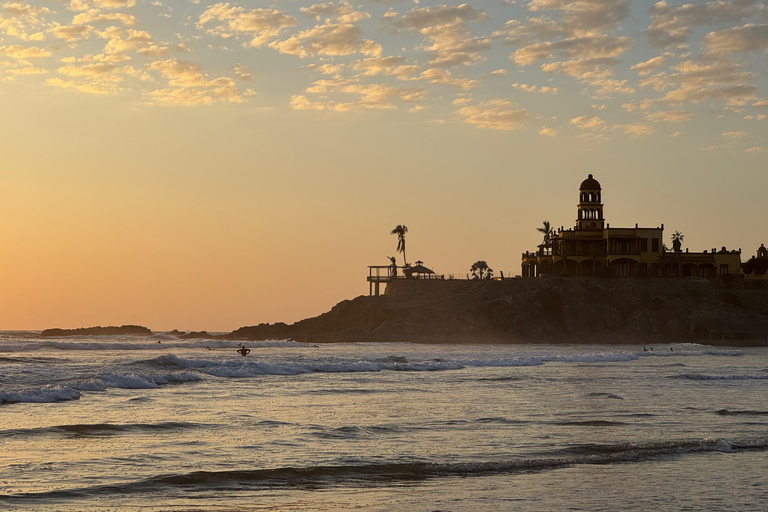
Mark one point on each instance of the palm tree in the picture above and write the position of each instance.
(677, 246)
(400, 231)
(393, 265)
(548, 232)
(677, 241)
(478, 268)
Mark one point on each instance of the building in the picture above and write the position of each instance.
(593, 248)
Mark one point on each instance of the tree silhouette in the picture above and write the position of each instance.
(677, 246)
(677, 241)
(480, 267)
(400, 231)
(548, 232)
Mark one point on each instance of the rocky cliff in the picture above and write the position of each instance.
(573, 310)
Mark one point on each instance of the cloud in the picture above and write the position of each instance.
(375, 65)
(734, 134)
(242, 73)
(367, 96)
(262, 25)
(635, 130)
(85, 5)
(670, 116)
(672, 25)
(96, 16)
(588, 123)
(493, 115)
(665, 29)
(645, 68)
(700, 80)
(87, 87)
(23, 52)
(548, 132)
(589, 47)
(342, 11)
(72, 32)
(738, 39)
(189, 86)
(451, 42)
(756, 149)
(532, 88)
(328, 39)
(443, 77)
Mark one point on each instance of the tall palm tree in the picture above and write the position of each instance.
(480, 267)
(400, 231)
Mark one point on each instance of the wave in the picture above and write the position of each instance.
(73, 390)
(385, 474)
(694, 353)
(589, 423)
(97, 429)
(701, 376)
(134, 381)
(727, 412)
(606, 395)
(45, 394)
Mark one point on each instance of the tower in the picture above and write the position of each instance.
(590, 207)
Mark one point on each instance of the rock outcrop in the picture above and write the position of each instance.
(133, 330)
(550, 310)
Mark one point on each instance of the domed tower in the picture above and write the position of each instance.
(590, 207)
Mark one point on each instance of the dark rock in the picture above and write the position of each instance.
(132, 330)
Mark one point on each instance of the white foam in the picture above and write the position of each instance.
(134, 381)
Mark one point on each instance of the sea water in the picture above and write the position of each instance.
(157, 423)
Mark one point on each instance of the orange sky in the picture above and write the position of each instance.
(211, 165)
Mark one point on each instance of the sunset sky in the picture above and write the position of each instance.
(204, 165)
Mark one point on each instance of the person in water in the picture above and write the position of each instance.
(244, 351)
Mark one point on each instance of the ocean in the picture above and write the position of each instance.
(162, 424)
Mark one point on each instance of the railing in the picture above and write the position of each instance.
(384, 274)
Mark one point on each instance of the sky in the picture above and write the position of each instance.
(210, 165)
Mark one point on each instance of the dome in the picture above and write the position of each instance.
(590, 184)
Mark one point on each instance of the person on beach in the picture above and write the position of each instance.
(244, 351)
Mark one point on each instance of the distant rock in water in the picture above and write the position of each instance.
(132, 330)
(194, 335)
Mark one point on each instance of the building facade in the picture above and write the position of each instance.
(593, 248)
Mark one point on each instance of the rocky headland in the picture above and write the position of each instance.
(549, 310)
(132, 330)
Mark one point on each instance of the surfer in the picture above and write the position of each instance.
(244, 351)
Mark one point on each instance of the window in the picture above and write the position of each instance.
(643, 245)
(654, 245)
(723, 270)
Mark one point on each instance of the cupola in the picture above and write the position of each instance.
(590, 210)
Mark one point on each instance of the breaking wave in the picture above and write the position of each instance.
(72, 391)
(318, 477)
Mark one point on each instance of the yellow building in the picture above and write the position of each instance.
(593, 248)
